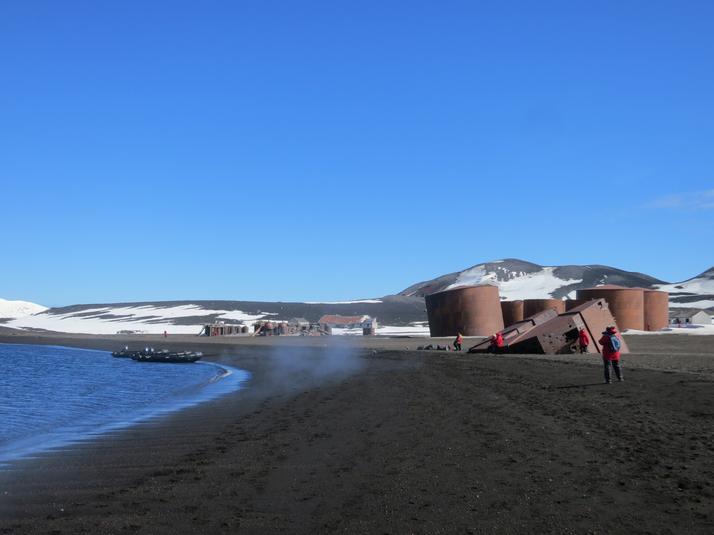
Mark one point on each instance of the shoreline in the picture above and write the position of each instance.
(398, 440)
(224, 381)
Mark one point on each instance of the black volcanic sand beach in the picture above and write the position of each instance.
(364, 436)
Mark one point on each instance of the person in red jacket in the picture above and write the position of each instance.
(583, 341)
(457, 343)
(610, 343)
(496, 343)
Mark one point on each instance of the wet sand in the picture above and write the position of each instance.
(365, 435)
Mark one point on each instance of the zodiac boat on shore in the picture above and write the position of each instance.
(163, 355)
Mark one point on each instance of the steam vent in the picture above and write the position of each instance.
(626, 304)
(470, 310)
(512, 312)
(533, 306)
(656, 310)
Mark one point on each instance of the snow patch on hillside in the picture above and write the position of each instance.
(538, 285)
(151, 319)
(18, 309)
(700, 285)
(703, 304)
(342, 302)
(145, 318)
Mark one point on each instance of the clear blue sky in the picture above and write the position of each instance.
(334, 150)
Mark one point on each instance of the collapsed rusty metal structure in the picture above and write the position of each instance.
(548, 332)
(544, 325)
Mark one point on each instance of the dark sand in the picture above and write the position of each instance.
(363, 436)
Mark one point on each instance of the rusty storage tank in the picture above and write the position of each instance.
(512, 312)
(570, 304)
(470, 310)
(626, 304)
(656, 307)
(533, 306)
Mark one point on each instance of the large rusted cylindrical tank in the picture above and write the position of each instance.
(626, 304)
(512, 312)
(533, 306)
(656, 305)
(572, 303)
(470, 310)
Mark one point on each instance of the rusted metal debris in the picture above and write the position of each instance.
(551, 333)
(516, 330)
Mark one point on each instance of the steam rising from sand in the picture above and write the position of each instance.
(309, 366)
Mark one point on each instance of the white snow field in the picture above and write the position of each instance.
(523, 286)
(702, 285)
(698, 285)
(418, 328)
(342, 302)
(18, 309)
(693, 330)
(155, 320)
(145, 318)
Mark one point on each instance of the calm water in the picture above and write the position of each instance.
(52, 396)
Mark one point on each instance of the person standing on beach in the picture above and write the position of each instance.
(457, 343)
(583, 341)
(610, 343)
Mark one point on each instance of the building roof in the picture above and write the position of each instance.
(336, 319)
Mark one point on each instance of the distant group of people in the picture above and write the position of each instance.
(496, 342)
(610, 342)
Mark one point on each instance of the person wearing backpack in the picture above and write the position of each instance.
(611, 344)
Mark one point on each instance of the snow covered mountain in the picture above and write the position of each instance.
(518, 279)
(18, 309)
